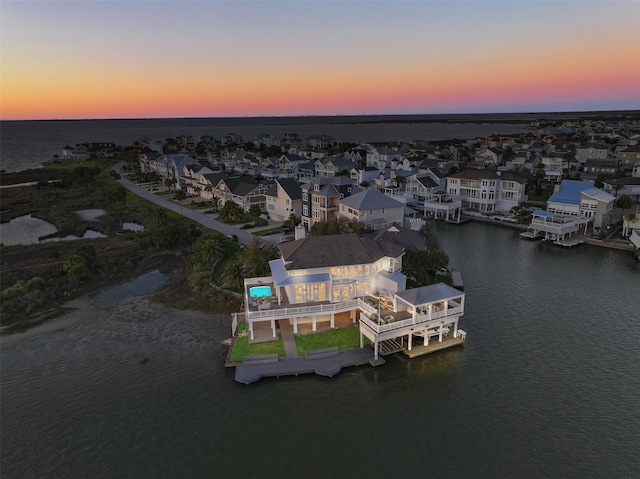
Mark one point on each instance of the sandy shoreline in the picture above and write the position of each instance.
(135, 309)
(81, 309)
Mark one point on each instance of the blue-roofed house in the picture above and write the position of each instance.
(576, 199)
(372, 208)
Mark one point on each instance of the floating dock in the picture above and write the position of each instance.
(529, 235)
(323, 362)
(569, 242)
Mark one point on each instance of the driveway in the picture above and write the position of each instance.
(243, 235)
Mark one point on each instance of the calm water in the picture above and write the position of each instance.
(546, 385)
(27, 144)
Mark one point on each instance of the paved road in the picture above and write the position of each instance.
(243, 236)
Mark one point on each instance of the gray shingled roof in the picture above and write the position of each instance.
(370, 200)
(291, 187)
(335, 250)
(429, 294)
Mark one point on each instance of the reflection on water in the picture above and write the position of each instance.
(25, 230)
(128, 226)
(544, 386)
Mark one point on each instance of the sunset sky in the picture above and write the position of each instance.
(149, 59)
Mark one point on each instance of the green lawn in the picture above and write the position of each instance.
(343, 338)
(242, 348)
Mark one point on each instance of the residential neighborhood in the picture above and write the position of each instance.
(562, 182)
(320, 179)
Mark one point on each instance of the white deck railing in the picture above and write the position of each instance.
(421, 319)
(287, 312)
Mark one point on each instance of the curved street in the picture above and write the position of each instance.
(243, 235)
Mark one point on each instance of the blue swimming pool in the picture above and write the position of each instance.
(259, 291)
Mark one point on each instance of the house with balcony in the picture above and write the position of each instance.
(170, 167)
(283, 199)
(382, 157)
(314, 283)
(332, 166)
(321, 198)
(242, 190)
(487, 190)
(580, 199)
(629, 157)
(372, 208)
(591, 151)
(594, 168)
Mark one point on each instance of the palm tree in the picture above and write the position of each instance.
(210, 249)
(233, 275)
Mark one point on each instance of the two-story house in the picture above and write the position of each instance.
(382, 157)
(629, 157)
(284, 198)
(591, 151)
(242, 190)
(332, 166)
(372, 208)
(581, 199)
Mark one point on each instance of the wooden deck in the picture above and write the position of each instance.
(434, 345)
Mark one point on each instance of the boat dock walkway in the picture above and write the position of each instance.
(421, 350)
(323, 362)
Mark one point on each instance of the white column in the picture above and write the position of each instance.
(295, 325)
(410, 340)
(375, 349)
(455, 329)
(273, 328)
(333, 320)
(440, 333)
(361, 341)
(251, 330)
(426, 338)
(314, 323)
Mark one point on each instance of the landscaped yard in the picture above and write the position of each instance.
(242, 348)
(343, 338)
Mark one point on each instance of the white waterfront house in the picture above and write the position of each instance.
(323, 279)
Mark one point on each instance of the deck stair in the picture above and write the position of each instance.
(389, 346)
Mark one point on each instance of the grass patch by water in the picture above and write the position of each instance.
(242, 348)
(344, 338)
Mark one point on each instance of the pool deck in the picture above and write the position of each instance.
(323, 362)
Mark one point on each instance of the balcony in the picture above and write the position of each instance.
(384, 322)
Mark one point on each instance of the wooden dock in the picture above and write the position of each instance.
(457, 280)
(569, 242)
(434, 345)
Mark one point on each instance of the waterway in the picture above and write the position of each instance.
(545, 386)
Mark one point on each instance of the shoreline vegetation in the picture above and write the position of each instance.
(39, 281)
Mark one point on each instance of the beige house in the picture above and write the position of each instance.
(283, 199)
